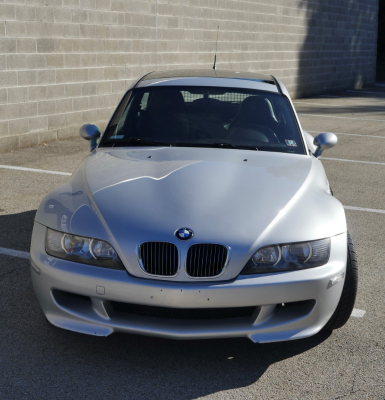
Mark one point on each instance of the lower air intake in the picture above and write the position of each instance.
(183, 313)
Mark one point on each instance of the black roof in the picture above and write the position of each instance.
(209, 73)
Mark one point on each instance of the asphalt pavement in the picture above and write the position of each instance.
(39, 361)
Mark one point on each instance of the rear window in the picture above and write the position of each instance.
(206, 117)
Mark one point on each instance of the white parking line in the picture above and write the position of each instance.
(333, 116)
(328, 96)
(14, 253)
(338, 105)
(371, 210)
(352, 161)
(350, 134)
(42, 171)
(357, 313)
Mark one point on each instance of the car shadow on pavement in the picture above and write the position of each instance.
(16, 230)
(47, 362)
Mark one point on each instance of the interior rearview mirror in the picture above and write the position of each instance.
(324, 141)
(90, 132)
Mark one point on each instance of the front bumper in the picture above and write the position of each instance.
(93, 314)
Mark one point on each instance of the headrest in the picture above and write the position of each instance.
(164, 100)
(254, 106)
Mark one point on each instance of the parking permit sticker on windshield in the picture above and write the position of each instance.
(290, 143)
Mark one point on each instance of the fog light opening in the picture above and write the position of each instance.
(335, 280)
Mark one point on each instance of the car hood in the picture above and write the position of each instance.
(243, 199)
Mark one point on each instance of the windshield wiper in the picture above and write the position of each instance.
(214, 145)
(233, 146)
(135, 141)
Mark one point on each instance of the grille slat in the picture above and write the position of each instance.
(183, 313)
(159, 258)
(201, 262)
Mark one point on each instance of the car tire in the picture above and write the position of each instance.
(349, 291)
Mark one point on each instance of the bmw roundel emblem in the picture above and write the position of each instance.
(184, 234)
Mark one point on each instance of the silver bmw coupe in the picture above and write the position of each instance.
(203, 211)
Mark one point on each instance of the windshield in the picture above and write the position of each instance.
(205, 117)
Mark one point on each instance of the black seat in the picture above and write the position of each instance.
(166, 116)
(254, 110)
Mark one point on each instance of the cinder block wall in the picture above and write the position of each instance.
(67, 62)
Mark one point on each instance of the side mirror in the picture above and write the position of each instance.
(324, 141)
(90, 132)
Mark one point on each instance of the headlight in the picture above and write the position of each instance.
(81, 249)
(288, 257)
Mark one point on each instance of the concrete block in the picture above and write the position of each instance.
(47, 107)
(67, 133)
(88, 4)
(3, 129)
(35, 29)
(55, 60)
(89, 116)
(62, 14)
(18, 126)
(7, 45)
(88, 60)
(72, 60)
(54, 29)
(36, 61)
(3, 96)
(80, 75)
(8, 111)
(38, 124)
(104, 87)
(110, 18)
(7, 12)
(117, 5)
(56, 121)
(95, 17)
(48, 136)
(29, 140)
(46, 77)
(96, 102)
(25, 13)
(71, 3)
(71, 30)
(26, 45)
(9, 143)
(63, 106)
(53, 3)
(45, 14)
(16, 29)
(73, 90)
(18, 94)
(89, 89)
(37, 93)
(17, 61)
(55, 91)
(96, 74)
(28, 109)
(45, 45)
(87, 31)
(103, 4)
(80, 103)
(26, 78)
(74, 119)
(63, 45)
(79, 16)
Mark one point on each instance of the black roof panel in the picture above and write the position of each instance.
(209, 73)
